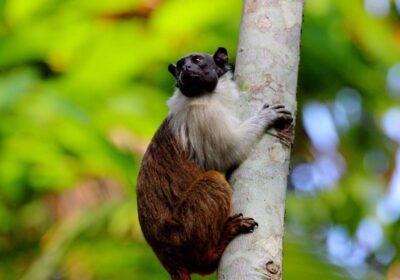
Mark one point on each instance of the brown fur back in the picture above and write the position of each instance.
(182, 209)
(164, 175)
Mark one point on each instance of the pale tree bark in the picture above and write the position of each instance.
(267, 69)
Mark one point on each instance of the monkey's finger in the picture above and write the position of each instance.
(284, 121)
(265, 106)
(248, 221)
(234, 217)
(247, 225)
(284, 111)
(285, 114)
(278, 106)
(286, 117)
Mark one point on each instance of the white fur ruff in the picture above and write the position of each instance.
(209, 128)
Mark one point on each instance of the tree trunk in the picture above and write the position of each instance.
(266, 68)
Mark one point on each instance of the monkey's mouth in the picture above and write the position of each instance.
(188, 77)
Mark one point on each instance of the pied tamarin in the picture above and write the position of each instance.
(184, 201)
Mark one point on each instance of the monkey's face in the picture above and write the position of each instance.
(198, 73)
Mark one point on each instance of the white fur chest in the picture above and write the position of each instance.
(206, 125)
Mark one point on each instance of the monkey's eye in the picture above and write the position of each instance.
(196, 59)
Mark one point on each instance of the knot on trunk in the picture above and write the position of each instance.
(273, 270)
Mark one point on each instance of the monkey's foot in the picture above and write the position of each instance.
(238, 224)
(235, 225)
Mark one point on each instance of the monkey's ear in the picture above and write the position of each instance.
(221, 57)
(172, 69)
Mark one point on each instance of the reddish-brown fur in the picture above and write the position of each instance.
(184, 211)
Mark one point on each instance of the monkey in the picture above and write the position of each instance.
(183, 198)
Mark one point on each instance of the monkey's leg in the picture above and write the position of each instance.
(204, 208)
(204, 211)
(180, 276)
(193, 229)
(234, 225)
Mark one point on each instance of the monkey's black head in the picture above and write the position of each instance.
(198, 73)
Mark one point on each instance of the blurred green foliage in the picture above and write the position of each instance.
(83, 86)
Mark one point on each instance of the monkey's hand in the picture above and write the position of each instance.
(251, 130)
(276, 116)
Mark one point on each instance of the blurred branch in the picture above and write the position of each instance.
(58, 239)
(89, 194)
(123, 139)
(142, 11)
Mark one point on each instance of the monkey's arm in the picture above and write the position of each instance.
(250, 131)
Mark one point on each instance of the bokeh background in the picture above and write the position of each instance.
(83, 87)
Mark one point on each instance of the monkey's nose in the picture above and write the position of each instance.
(187, 67)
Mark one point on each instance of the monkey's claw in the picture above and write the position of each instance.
(240, 224)
(234, 217)
(247, 225)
